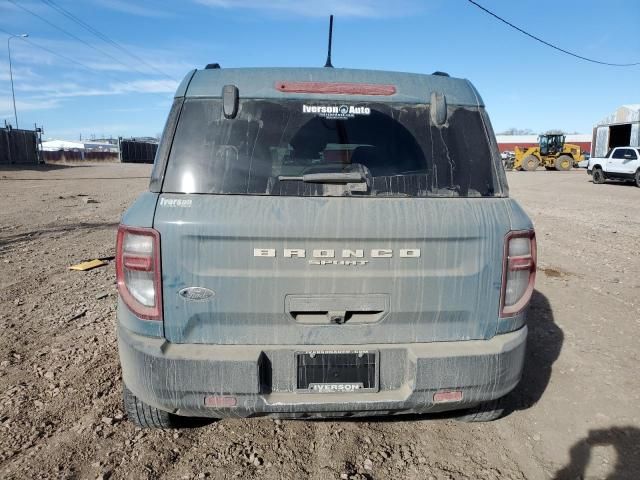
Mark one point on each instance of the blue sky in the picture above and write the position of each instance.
(524, 84)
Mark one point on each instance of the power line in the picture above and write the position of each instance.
(74, 37)
(51, 51)
(102, 36)
(77, 62)
(550, 44)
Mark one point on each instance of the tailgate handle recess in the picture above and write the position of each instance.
(339, 309)
(338, 316)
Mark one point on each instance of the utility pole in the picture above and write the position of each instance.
(13, 93)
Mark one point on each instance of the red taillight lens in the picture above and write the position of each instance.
(519, 272)
(138, 271)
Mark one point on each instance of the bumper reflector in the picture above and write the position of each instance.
(220, 401)
(444, 397)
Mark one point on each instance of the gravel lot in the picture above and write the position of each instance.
(576, 413)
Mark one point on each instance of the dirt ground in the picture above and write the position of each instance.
(576, 413)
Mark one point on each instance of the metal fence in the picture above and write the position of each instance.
(18, 147)
(134, 151)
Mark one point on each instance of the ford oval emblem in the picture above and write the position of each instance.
(197, 294)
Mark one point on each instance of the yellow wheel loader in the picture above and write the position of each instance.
(551, 153)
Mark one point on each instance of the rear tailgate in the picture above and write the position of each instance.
(227, 243)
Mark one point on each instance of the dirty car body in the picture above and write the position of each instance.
(323, 242)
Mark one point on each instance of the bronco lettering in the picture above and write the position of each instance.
(331, 253)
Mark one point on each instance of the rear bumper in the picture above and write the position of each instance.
(178, 377)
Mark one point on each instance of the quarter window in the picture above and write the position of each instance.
(621, 152)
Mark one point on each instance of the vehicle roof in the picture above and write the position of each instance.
(260, 83)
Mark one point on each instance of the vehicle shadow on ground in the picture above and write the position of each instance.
(544, 344)
(625, 441)
(620, 182)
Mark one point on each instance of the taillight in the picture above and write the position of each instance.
(138, 271)
(519, 272)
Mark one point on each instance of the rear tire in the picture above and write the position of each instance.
(146, 416)
(530, 163)
(598, 176)
(485, 412)
(637, 178)
(564, 163)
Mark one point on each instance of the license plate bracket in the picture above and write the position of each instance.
(349, 371)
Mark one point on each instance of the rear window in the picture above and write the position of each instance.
(311, 148)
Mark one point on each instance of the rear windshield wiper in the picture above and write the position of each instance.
(328, 177)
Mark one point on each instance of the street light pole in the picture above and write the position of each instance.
(13, 93)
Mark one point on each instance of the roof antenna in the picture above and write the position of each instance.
(328, 64)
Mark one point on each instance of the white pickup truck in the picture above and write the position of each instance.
(621, 163)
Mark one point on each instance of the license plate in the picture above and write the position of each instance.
(337, 371)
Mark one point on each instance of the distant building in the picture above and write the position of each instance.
(64, 151)
(620, 129)
(110, 140)
(90, 146)
(95, 146)
(144, 139)
(507, 143)
(55, 145)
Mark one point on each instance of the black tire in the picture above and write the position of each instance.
(563, 163)
(598, 176)
(485, 412)
(146, 416)
(637, 178)
(530, 163)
